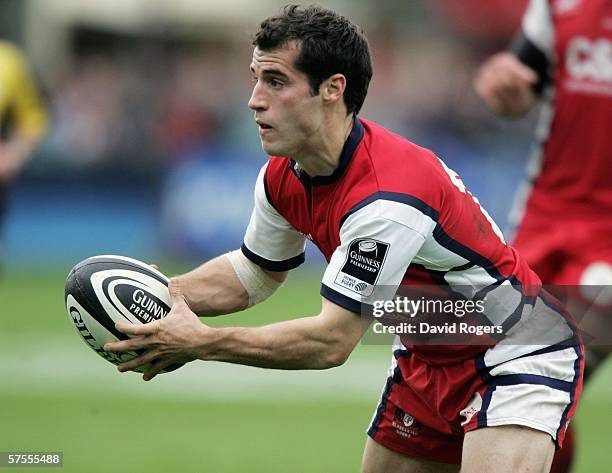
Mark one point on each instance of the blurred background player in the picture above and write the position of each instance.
(23, 118)
(562, 58)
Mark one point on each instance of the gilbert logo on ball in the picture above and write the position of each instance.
(103, 290)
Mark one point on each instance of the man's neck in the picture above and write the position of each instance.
(324, 160)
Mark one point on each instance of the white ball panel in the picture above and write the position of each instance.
(111, 303)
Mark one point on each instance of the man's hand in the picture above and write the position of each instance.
(175, 339)
(316, 342)
(506, 85)
(13, 156)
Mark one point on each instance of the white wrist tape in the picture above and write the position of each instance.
(258, 285)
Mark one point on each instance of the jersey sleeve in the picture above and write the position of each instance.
(377, 244)
(270, 241)
(534, 45)
(537, 26)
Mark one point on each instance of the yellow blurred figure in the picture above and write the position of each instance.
(23, 116)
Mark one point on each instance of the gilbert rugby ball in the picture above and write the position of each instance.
(102, 290)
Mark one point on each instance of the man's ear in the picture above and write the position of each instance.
(332, 89)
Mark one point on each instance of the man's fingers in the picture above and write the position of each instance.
(155, 368)
(503, 73)
(176, 293)
(133, 329)
(127, 345)
(140, 360)
(526, 74)
(138, 336)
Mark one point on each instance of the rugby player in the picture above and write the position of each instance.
(562, 58)
(23, 118)
(385, 213)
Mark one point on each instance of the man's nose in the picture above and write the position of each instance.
(257, 100)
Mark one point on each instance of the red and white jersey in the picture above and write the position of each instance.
(391, 214)
(571, 172)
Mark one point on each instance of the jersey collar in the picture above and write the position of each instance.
(348, 150)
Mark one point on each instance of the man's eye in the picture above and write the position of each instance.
(275, 83)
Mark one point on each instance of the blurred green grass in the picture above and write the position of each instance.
(101, 435)
(100, 432)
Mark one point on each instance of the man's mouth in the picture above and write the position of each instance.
(263, 125)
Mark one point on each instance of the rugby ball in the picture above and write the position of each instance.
(103, 290)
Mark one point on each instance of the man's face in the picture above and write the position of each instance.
(288, 115)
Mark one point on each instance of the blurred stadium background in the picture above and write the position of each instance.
(152, 153)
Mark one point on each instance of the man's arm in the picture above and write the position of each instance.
(511, 82)
(318, 342)
(506, 85)
(214, 288)
(14, 154)
(233, 282)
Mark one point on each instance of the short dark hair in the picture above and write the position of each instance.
(330, 44)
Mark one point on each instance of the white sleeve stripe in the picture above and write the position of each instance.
(404, 217)
(407, 227)
(406, 199)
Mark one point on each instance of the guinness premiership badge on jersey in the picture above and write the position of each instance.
(364, 260)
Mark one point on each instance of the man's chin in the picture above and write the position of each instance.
(270, 148)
